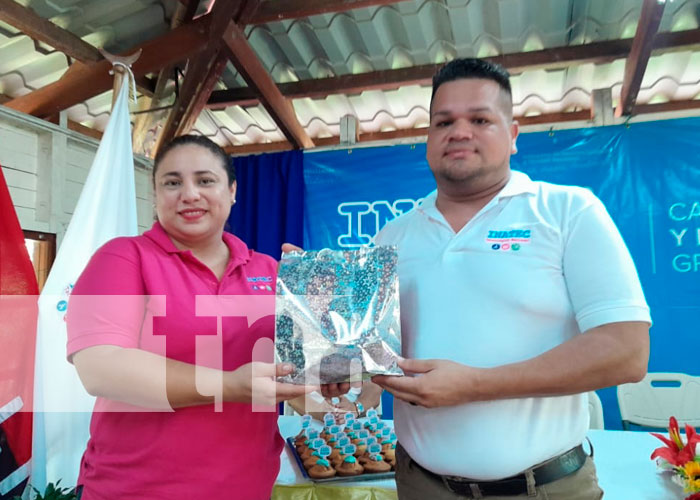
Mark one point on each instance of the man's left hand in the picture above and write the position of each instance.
(436, 382)
(334, 390)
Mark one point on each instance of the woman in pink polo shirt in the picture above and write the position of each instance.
(172, 331)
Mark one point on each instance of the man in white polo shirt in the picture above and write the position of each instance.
(517, 297)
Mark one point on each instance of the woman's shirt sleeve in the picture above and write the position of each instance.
(106, 306)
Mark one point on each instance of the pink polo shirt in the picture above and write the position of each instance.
(193, 452)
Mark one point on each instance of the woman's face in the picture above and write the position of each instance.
(193, 198)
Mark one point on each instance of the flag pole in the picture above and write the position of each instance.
(120, 66)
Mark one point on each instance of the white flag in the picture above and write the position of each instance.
(106, 209)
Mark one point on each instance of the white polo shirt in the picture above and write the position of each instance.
(539, 264)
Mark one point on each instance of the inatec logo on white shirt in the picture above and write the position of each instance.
(508, 239)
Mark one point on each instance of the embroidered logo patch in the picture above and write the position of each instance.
(259, 279)
(509, 239)
(260, 283)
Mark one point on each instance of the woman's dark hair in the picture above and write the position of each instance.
(197, 140)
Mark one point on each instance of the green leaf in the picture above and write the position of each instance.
(54, 492)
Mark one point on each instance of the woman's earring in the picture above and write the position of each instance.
(233, 202)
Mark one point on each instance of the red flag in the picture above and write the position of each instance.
(18, 316)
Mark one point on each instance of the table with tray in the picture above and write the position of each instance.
(622, 461)
(293, 481)
(367, 476)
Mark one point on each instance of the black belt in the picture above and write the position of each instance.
(556, 468)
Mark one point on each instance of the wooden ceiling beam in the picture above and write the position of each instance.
(346, 84)
(77, 127)
(276, 10)
(202, 74)
(269, 147)
(93, 79)
(203, 71)
(184, 13)
(597, 52)
(205, 87)
(636, 63)
(72, 125)
(82, 129)
(43, 30)
(667, 107)
(561, 117)
(673, 41)
(581, 115)
(243, 57)
(145, 85)
(259, 147)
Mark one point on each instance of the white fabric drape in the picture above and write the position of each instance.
(106, 209)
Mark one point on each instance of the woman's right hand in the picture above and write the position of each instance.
(255, 383)
(289, 247)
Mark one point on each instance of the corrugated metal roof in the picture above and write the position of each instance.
(422, 32)
(401, 35)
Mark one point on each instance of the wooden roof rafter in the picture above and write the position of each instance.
(244, 58)
(581, 115)
(214, 47)
(203, 71)
(202, 74)
(184, 14)
(636, 63)
(89, 80)
(72, 125)
(276, 10)
(667, 107)
(43, 30)
(545, 118)
(596, 52)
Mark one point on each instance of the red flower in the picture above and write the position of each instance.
(694, 496)
(675, 452)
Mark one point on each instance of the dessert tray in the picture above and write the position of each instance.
(375, 435)
(365, 476)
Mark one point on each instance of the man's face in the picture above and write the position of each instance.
(471, 134)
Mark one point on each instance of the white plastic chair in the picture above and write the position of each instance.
(659, 396)
(595, 410)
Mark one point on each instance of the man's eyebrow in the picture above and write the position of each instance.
(471, 110)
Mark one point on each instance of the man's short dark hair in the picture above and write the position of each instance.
(458, 69)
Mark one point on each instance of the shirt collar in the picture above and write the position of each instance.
(158, 236)
(428, 205)
(519, 183)
(240, 254)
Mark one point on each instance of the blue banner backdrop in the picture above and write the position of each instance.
(647, 174)
(270, 201)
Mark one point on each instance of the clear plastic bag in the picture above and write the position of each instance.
(337, 312)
